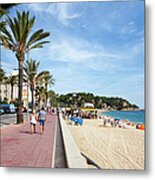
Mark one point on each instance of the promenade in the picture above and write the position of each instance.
(20, 148)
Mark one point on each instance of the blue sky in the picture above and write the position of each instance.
(95, 47)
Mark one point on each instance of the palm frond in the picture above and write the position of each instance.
(37, 36)
(7, 6)
(27, 26)
(6, 43)
(8, 35)
(12, 27)
(18, 38)
(30, 71)
(38, 45)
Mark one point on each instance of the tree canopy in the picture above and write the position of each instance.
(79, 99)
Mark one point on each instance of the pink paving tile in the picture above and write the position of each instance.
(21, 149)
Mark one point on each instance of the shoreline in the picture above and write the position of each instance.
(103, 116)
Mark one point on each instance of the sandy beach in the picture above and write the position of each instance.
(110, 147)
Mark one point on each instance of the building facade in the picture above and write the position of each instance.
(6, 93)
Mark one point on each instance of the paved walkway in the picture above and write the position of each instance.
(20, 148)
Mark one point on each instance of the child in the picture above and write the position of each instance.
(33, 122)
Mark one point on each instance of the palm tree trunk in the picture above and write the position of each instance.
(39, 99)
(46, 98)
(32, 96)
(20, 89)
(11, 92)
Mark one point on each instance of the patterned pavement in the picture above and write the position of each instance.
(20, 148)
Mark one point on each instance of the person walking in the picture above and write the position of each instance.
(33, 123)
(42, 119)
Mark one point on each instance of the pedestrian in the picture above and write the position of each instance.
(42, 119)
(33, 123)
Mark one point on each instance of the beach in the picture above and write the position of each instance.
(110, 147)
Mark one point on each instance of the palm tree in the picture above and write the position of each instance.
(2, 75)
(48, 80)
(52, 97)
(40, 94)
(31, 69)
(20, 41)
(12, 80)
(3, 11)
(5, 83)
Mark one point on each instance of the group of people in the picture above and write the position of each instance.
(41, 118)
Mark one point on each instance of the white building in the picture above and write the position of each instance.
(6, 93)
(88, 105)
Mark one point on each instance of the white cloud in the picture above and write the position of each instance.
(70, 52)
(128, 29)
(71, 49)
(63, 13)
(91, 55)
(59, 10)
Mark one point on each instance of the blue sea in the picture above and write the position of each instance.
(132, 116)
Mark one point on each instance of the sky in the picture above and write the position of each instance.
(95, 47)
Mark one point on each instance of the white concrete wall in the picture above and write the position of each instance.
(73, 155)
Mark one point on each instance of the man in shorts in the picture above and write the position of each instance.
(42, 119)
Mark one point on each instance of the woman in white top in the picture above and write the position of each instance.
(33, 122)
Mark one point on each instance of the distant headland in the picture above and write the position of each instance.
(100, 102)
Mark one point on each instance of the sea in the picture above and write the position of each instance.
(132, 116)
